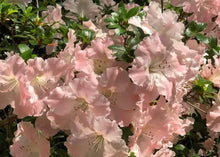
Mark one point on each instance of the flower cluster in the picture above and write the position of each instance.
(135, 74)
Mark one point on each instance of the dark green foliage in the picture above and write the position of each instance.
(126, 132)
(193, 140)
(57, 145)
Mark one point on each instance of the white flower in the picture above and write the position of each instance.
(82, 7)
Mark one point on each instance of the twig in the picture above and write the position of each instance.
(189, 103)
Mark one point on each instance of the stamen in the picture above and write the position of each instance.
(9, 85)
(40, 82)
(81, 104)
(96, 142)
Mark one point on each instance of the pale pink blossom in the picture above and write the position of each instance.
(107, 2)
(68, 55)
(24, 2)
(44, 75)
(80, 95)
(53, 16)
(212, 73)
(28, 103)
(12, 73)
(44, 126)
(75, 58)
(203, 10)
(158, 126)
(154, 66)
(28, 142)
(82, 7)
(100, 55)
(90, 25)
(95, 136)
(115, 85)
(164, 24)
(164, 152)
(213, 117)
(15, 88)
(190, 58)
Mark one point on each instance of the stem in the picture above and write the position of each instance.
(161, 6)
(189, 103)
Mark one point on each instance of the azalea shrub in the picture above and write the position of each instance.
(104, 78)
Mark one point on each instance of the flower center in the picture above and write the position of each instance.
(96, 142)
(100, 65)
(158, 65)
(110, 94)
(40, 82)
(81, 104)
(8, 83)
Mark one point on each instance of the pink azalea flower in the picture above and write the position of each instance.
(154, 66)
(157, 127)
(43, 125)
(11, 74)
(76, 60)
(80, 95)
(82, 7)
(107, 2)
(28, 142)
(90, 25)
(213, 117)
(101, 56)
(16, 89)
(53, 16)
(164, 24)
(45, 74)
(115, 85)
(95, 136)
(203, 10)
(24, 2)
(212, 73)
(164, 152)
(28, 103)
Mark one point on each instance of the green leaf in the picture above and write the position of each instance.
(200, 26)
(112, 25)
(189, 33)
(119, 31)
(194, 28)
(132, 154)
(122, 11)
(23, 48)
(58, 153)
(179, 147)
(213, 42)
(25, 51)
(141, 14)
(109, 19)
(202, 38)
(126, 132)
(33, 42)
(117, 48)
(11, 11)
(132, 12)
